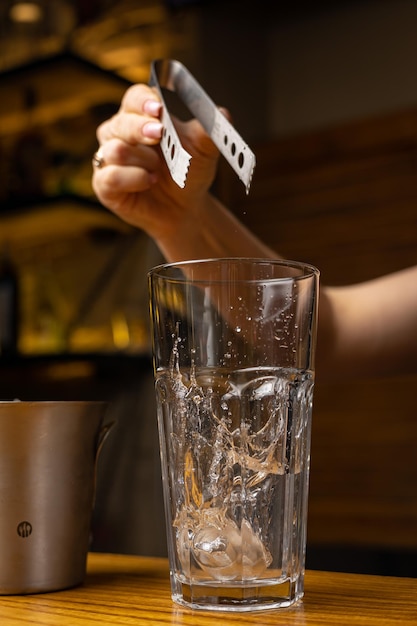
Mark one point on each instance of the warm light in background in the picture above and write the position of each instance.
(26, 12)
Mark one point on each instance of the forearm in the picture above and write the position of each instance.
(212, 231)
(369, 329)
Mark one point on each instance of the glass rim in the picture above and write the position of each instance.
(307, 270)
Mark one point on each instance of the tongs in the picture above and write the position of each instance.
(172, 75)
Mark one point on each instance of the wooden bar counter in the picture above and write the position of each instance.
(130, 590)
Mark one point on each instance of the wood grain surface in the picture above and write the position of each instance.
(124, 590)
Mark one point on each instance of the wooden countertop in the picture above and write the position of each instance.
(130, 590)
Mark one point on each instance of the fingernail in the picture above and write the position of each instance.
(152, 107)
(152, 130)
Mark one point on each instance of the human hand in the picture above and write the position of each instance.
(132, 178)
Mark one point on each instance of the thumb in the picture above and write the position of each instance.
(195, 139)
(200, 140)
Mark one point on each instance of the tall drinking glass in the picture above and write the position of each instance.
(233, 347)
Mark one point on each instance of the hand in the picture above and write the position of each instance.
(134, 181)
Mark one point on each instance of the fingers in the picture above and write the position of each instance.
(137, 120)
(128, 160)
(114, 182)
(118, 152)
(135, 98)
(130, 128)
(126, 169)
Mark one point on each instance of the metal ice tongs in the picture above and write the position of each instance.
(172, 75)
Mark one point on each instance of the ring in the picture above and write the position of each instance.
(98, 159)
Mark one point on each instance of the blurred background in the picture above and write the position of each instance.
(326, 95)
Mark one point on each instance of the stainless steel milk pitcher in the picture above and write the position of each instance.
(48, 453)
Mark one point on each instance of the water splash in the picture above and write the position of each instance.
(227, 434)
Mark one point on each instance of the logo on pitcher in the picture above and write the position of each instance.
(24, 529)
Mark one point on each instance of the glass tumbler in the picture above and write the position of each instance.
(233, 351)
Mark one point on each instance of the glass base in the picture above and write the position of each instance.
(265, 595)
